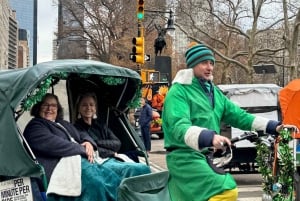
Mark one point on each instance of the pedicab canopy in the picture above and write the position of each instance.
(289, 98)
(20, 89)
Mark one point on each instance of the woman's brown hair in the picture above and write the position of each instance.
(35, 110)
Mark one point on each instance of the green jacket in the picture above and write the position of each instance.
(186, 114)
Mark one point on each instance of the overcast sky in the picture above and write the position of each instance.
(47, 23)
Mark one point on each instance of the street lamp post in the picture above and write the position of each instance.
(163, 63)
(170, 22)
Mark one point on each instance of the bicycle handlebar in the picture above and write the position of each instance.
(248, 135)
(253, 136)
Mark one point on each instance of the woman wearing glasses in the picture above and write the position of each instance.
(67, 156)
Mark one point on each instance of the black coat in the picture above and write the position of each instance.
(107, 142)
(50, 143)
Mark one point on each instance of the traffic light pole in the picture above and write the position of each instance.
(138, 54)
(140, 29)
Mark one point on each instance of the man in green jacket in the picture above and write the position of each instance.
(193, 111)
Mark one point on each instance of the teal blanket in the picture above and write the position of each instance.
(126, 169)
(98, 184)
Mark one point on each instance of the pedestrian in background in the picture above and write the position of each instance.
(144, 121)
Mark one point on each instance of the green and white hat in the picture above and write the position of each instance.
(197, 54)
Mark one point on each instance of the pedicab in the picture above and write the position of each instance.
(117, 90)
(278, 159)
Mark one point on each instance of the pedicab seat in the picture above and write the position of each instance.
(150, 187)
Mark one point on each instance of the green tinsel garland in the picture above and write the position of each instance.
(135, 103)
(42, 89)
(37, 94)
(285, 168)
(113, 80)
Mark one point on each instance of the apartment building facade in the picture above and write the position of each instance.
(26, 14)
(4, 27)
(12, 40)
(23, 49)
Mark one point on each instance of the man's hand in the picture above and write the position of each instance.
(219, 141)
(292, 127)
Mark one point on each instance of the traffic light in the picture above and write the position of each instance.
(138, 54)
(140, 9)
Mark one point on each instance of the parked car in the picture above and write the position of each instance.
(258, 99)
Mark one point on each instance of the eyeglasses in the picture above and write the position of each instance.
(47, 105)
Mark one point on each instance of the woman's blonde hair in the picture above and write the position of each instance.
(84, 95)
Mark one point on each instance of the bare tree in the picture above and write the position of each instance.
(242, 33)
(106, 26)
(291, 37)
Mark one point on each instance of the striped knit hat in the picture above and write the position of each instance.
(198, 53)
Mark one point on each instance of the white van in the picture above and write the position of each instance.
(258, 99)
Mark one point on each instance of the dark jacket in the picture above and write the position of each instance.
(108, 144)
(145, 115)
(50, 143)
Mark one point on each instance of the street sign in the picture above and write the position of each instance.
(147, 57)
(264, 68)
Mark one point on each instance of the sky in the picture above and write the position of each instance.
(47, 23)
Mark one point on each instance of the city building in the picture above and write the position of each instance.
(70, 43)
(4, 26)
(23, 49)
(12, 40)
(26, 12)
(54, 49)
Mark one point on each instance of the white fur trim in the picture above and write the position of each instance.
(184, 76)
(260, 123)
(191, 137)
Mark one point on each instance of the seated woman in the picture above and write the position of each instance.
(67, 156)
(108, 144)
